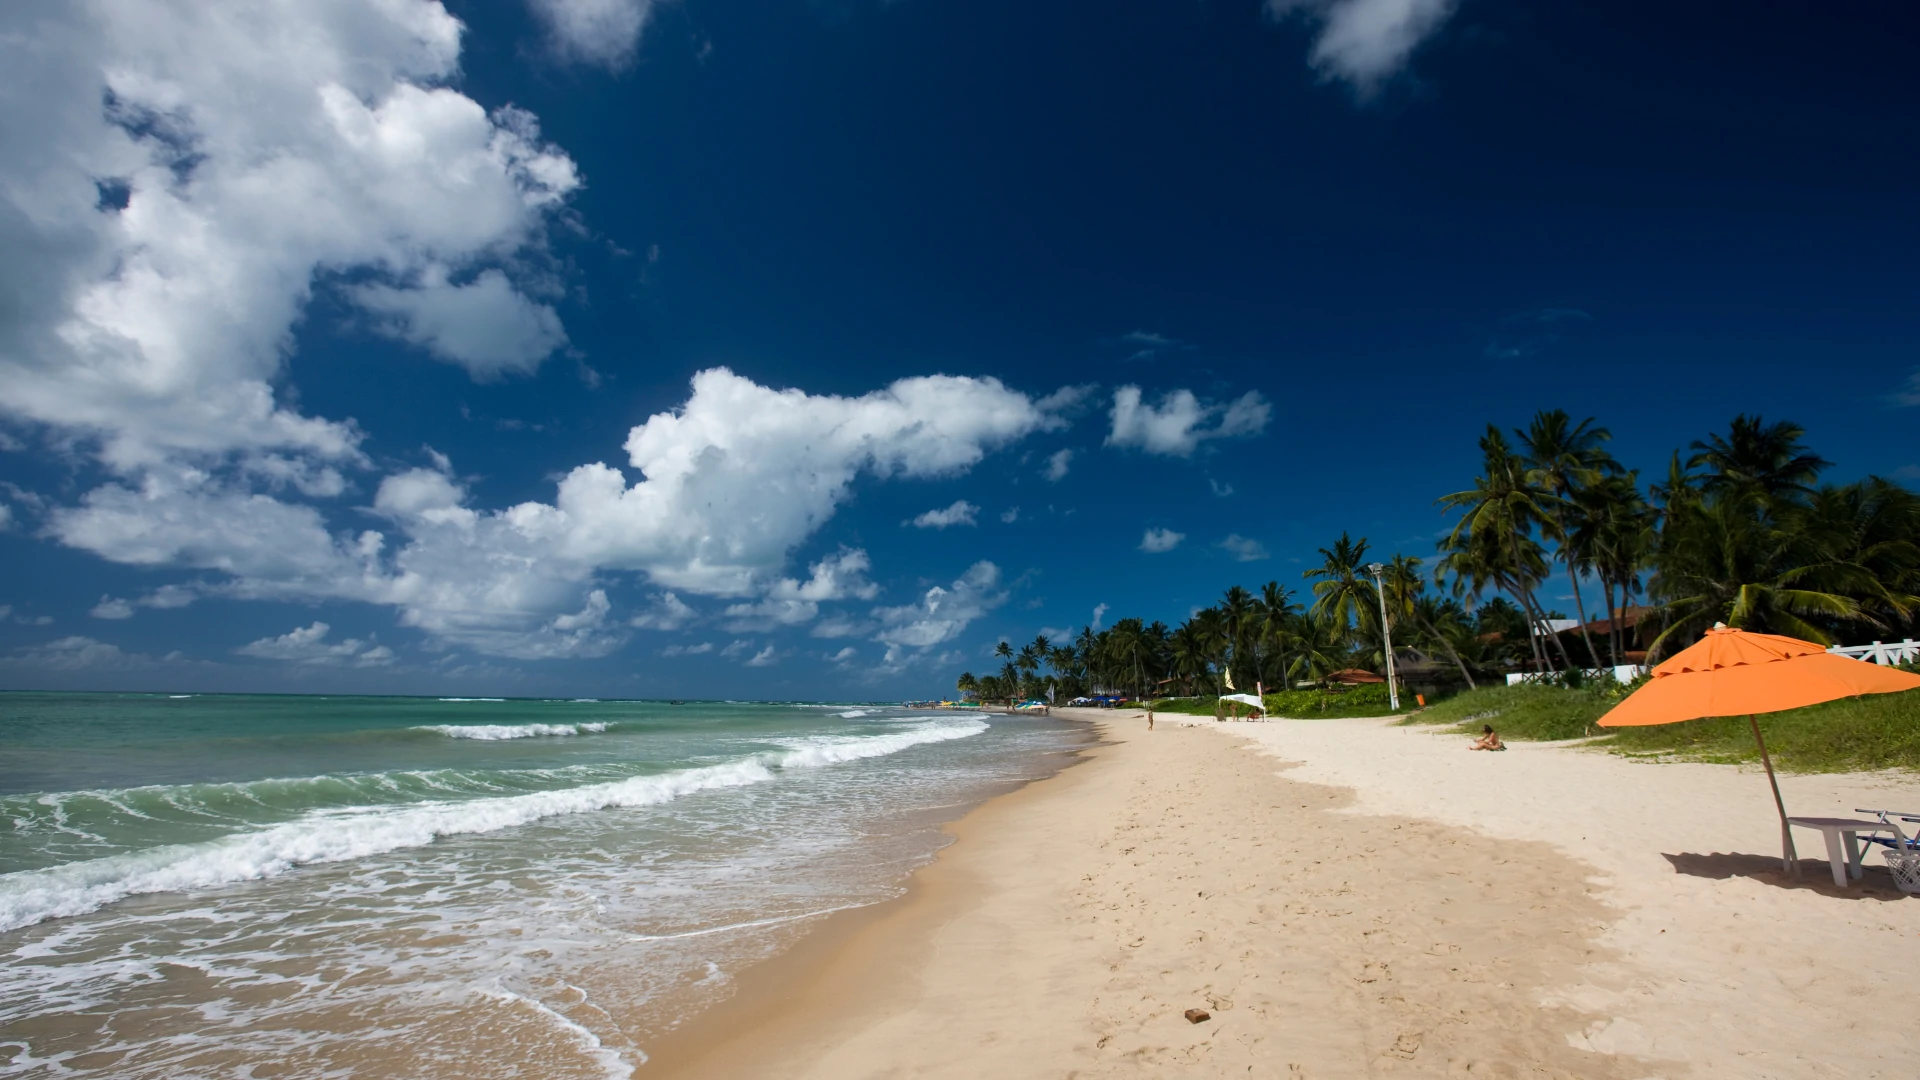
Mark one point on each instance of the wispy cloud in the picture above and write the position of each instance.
(1910, 393)
(1530, 332)
(309, 645)
(1145, 345)
(1181, 421)
(1057, 465)
(1243, 549)
(1364, 42)
(961, 512)
(603, 33)
(1158, 540)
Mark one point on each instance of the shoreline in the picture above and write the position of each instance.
(1345, 897)
(1071, 923)
(841, 972)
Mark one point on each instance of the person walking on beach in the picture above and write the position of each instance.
(1488, 741)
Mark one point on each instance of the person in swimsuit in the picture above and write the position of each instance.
(1488, 741)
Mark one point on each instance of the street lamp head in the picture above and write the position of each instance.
(1376, 569)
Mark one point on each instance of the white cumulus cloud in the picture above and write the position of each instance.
(1181, 421)
(942, 612)
(250, 150)
(1057, 465)
(309, 645)
(486, 325)
(668, 612)
(960, 513)
(83, 654)
(728, 485)
(1364, 42)
(1159, 540)
(112, 608)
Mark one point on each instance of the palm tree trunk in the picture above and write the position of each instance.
(1533, 636)
(1451, 651)
(1540, 615)
(1613, 620)
(1580, 608)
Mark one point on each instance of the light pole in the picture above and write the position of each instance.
(1386, 629)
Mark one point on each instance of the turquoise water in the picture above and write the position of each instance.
(463, 887)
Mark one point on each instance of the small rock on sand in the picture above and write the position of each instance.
(1198, 1016)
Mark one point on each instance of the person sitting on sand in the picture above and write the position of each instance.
(1488, 741)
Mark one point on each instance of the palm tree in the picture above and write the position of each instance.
(1271, 625)
(1125, 643)
(1028, 661)
(1211, 626)
(967, 684)
(1721, 562)
(1874, 524)
(1236, 611)
(1345, 596)
(1321, 647)
(1563, 459)
(1010, 683)
(1066, 668)
(1191, 654)
(1757, 459)
(1404, 600)
(1610, 531)
(1499, 514)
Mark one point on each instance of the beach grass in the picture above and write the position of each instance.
(1295, 704)
(1525, 711)
(1878, 731)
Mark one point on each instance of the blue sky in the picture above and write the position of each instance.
(805, 348)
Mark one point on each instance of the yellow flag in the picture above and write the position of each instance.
(1230, 685)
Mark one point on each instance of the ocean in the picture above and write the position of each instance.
(286, 886)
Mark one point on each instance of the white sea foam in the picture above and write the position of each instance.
(854, 714)
(473, 699)
(335, 835)
(610, 1060)
(833, 749)
(495, 732)
(30, 896)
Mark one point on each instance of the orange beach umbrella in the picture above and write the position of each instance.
(1733, 672)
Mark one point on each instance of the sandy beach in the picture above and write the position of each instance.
(1350, 898)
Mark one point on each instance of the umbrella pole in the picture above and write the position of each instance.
(1789, 859)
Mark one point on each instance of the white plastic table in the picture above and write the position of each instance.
(1843, 842)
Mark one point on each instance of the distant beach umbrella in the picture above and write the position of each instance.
(1735, 673)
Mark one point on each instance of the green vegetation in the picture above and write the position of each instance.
(1738, 530)
(1526, 711)
(1370, 700)
(1879, 731)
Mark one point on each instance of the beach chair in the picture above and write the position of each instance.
(1901, 852)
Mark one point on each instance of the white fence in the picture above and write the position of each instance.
(1622, 673)
(1878, 653)
(1889, 653)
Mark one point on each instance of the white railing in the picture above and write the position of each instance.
(1878, 653)
(1625, 673)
